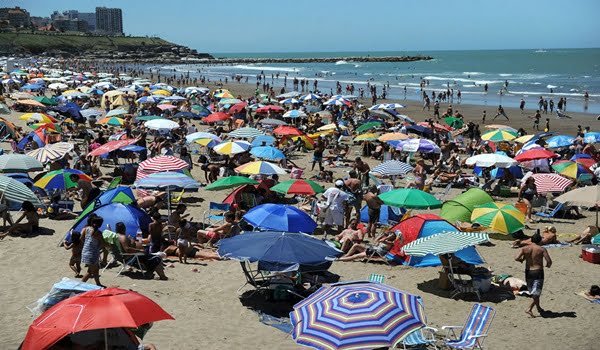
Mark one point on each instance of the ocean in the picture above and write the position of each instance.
(551, 73)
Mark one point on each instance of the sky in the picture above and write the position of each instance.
(351, 25)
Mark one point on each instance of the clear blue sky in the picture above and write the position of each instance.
(337, 25)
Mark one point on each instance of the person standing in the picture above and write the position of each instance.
(362, 169)
(522, 105)
(318, 155)
(534, 256)
(92, 245)
(374, 204)
(500, 113)
(353, 188)
(336, 200)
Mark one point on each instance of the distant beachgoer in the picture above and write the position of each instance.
(92, 246)
(75, 246)
(500, 113)
(534, 257)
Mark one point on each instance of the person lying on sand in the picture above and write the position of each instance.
(194, 252)
(361, 251)
(548, 237)
(593, 293)
(586, 236)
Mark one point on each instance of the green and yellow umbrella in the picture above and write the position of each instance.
(572, 170)
(369, 125)
(115, 121)
(504, 218)
(499, 135)
(366, 137)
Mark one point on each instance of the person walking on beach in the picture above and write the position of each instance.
(534, 256)
(483, 117)
(92, 245)
(522, 105)
(501, 113)
(536, 120)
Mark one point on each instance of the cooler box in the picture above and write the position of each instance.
(591, 254)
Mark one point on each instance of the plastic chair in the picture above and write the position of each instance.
(552, 214)
(474, 331)
(422, 337)
(215, 207)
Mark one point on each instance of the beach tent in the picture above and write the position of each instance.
(120, 194)
(38, 136)
(134, 219)
(460, 208)
(387, 215)
(424, 225)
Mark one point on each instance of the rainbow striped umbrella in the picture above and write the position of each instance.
(115, 121)
(503, 218)
(232, 147)
(60, 179)
(37, 118)
(499, 135)
(303, 187)
(206, 142)
(572, 170)
(356, 315)
(259, 167)
(366, 137)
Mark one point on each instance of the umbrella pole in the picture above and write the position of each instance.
(105, 339)
(596, 207)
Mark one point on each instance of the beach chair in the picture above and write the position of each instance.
(440, 196)
(126, 259)
(461, 286)
(376, 278)
(474, 331)
(422, 337)
(176, 200)
(549, 215)
(114, 183)
(209, 216)
(254, 278)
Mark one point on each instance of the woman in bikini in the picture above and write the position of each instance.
(28, 228)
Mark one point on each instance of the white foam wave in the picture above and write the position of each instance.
(341, 62)
(505, 75)
(463, 80)
(551, 86)
(259, 68)
(473, 73)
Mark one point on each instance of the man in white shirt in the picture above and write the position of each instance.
(336, 203)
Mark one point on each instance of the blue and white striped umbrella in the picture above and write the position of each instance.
(167, 180)
(246, 132)
(310, 97)
(201, 135)
(147, 99)
(416, 145)
(195, 90)
(289, 101)
(386, 106)
(560, 141)
(294, 113)
(392, 167)
(337, 102)
(267, 152)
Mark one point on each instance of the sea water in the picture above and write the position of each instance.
(551, 73)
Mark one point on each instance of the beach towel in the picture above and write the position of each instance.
(583, 294)
(558, 245)
(281, 323)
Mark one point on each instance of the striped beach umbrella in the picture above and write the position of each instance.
(382, 106)
(294, 113)
(51, 152)
(15, 191)
(260, 167)
(366, 137)
(410, 198)
(572, 170)
(19, 163)
(232, 147)
(551, 183)
(60, 179)
(444, 243)
(301, 187)
(289, 101)
(392, 168)
(37, 118)
(356, 315)
(504, 218)
(159, 164)
(115, 121)
(310, 97)
(230, 182)
(499, 135)
(267, 152)
(167, 180)
(246, 132)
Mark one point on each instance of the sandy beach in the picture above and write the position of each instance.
(209, 315)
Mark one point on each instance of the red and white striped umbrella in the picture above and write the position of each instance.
(160, 164)
(551, 183)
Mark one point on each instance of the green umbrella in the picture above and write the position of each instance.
(230, 182)
(410, 198)
(15, 191)
(367, 126)
(148, 118)
(304, 187)
(500, 217)
(444, 243)
(454, 122)
(45, 100)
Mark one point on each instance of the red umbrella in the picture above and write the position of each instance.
(436, 126)
(159, 164)
(287, 130)
(271, 108)
(111, 146)
(97, 309)
(536, 153)
(166, 106)
(237, 107)
(551, 183)
(216, 117)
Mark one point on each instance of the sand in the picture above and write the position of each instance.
(209, 315)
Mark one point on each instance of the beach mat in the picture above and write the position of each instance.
(558, 245)
(281, 323)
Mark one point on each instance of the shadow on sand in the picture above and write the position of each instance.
(494, 295)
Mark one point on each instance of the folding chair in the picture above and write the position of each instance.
(218, 207)
(376, 278)
(552, 214)
(440, 196)
(254, 278)
(474, 331)
(422, 337)
(461, 286)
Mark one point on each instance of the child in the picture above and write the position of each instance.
(483, 117)
(183, 240)
(75, 246)
(28, 228)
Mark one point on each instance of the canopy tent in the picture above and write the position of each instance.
(461, 207)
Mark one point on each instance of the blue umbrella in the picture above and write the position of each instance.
(560, 141)
(147, 99)
(189, 115)
(498, 173)
(280, 217)
(591, 137)
(258, 141)
(267, 152)
(387, 214)
(279, 251)
(32, 87)
(134, 219)
(167, 180)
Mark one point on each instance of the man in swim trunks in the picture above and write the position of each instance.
(214, 234)
(534, 257)
(374, 204)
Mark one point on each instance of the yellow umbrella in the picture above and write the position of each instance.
(392, 136)
(500, 217)
(331, 126)
(366, 137)
(499, 135)
(320, 133)
(206, 142)
(161, 92)
(70, 92)
(523, 139)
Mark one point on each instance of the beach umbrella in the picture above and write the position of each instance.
(216, 117)
(588, 196)
(310, 97)
(246, 132)
(50, 127)
(523, 139)
(366, 137)
(166, 106)
(536, 153)
(550, 183)
(135, 219)
(111, 146)
(279, 251)
(19, 163)
(263, 140)
(384, 106)
(444, 243)
(308, 142)
(115, 121)
(210, 143)
(437, 126)
(238, 107)
(294, 113)
(147, 99)
(572, 170)
(392, 136)
(119, 194)
(195, 90)
(356, 315)
(11, 81)
(116, 112)
(337, 102)
(271, 121)
(499, 126)
(289, 101)
(230, 182)
(168, 181)
(232, 147)
(591, 137)
(201, 110)
(487, 160)
(260, 167)
(504, 218)
(499, 135)
(410, 198)
(175, 98)
(60, 179)
(147, 118)
(280, 217)
(392, 168)
(332, 126)
(287, 130)
(45, 100)
(161, 124)
(201, 135)
(369, 125)
(416, 145)
(94, 310)
(223, 94)
(267, 152)
(454, 122)
(301, 187)
(90, 113)
(560, 141)
(15, 191)
(161, 92)
(159, 164)
(289, 94)
(188, 115)
(270, 108)
(38, 118)
(584, 159)
(51, 152)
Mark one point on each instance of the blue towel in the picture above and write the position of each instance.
(281, 323)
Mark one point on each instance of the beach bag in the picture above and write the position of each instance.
(296, 173)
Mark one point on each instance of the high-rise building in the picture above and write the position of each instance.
(109, 20)
(76, 17)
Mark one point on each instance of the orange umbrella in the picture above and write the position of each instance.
(33, 103)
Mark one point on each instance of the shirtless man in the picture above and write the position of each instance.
(211, 172)
(354, 189)
(350, 235)
(374, 204)
(363, 170)
(534, 257)
(214, 234)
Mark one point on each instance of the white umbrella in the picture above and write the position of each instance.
(588, 196)
(57, 86)
(294, 113)
(116, 112)
(232, 147)
(161, 124)
(487, 160)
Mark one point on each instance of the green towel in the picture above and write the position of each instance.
(110, 237)
(376, 278)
